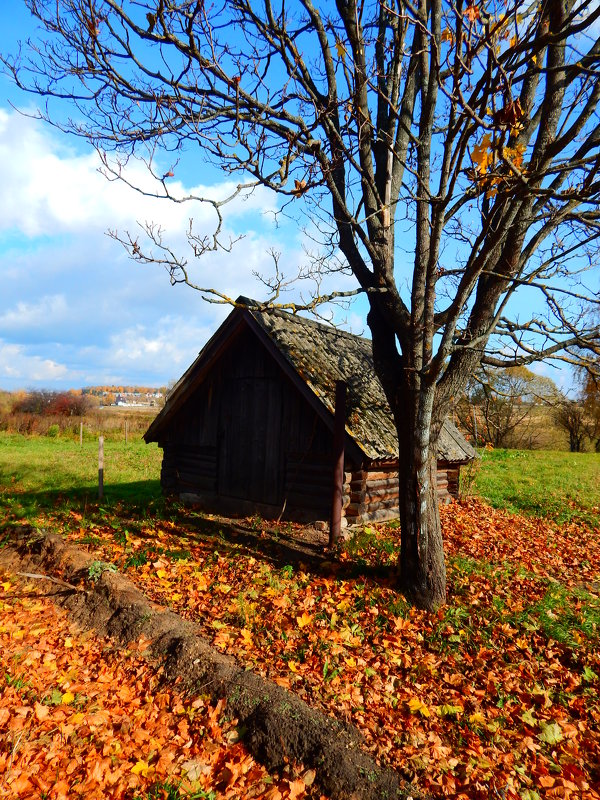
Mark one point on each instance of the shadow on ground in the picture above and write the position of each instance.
(138, 504)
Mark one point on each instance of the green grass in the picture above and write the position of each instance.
(166, 790)
(38, 473)
(543, 483)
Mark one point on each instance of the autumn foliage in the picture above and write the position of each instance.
(53, 404)
(497, 693)
(81, 718)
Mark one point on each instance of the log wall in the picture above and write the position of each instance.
(374, 493)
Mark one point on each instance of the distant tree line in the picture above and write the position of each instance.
(98, 391)
(53, 404)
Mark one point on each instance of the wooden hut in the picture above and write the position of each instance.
(249, 427)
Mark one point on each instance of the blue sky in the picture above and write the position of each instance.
(74, 309)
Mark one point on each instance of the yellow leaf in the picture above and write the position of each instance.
(75, 719)
(246, 635)
(6, 585)
(417, 707)
(292, 665)
(481, 155)
(68, 642)
(142, 768)
(476, 718)
(340, 49)
(67, 698)
(515, 154)
(201, 583)
(161, 573)
(351, 662)
(304, 620)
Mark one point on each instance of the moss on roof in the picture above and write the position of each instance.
(321, 355)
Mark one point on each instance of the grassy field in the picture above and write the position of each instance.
(556, 485)
(38, 472)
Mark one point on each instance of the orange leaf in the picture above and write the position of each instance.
(41, 711)
(472, 11)
(297, 789)
(481, 154)
(299, 188)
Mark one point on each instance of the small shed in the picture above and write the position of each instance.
(249, 426)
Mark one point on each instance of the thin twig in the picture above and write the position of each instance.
(37, 576)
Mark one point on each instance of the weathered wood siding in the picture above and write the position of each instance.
(247, 434)
(247, 439)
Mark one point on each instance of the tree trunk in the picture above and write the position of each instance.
(422, 570)
(422, 567)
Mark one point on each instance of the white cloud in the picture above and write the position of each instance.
(18, 368)
(168, 347)
(74, 309)
(53, 189)
(47, 311)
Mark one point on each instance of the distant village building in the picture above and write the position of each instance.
(249, 427)
(138, 399)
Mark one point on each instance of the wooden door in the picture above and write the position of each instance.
(250, 463)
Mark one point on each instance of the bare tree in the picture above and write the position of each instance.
(591, 399)
(499, 406)
(448, 153)
(571, 417)
(588, 379)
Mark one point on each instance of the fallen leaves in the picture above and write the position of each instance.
(496, 694)
(90, 720)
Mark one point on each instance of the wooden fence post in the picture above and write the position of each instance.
(100, 467)
(339, 425)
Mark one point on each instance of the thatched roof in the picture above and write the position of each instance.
(319, 355)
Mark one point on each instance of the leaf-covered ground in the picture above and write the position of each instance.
(80, 718)
(495, 696)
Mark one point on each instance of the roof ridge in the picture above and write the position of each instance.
(255, 306)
